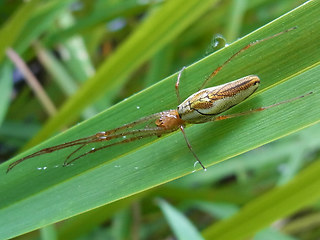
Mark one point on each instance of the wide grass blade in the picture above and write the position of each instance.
(288, 65)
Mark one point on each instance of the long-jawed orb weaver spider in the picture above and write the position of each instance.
(202, 106)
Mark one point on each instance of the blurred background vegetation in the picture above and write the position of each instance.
(64, 43)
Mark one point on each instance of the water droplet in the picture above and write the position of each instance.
(195, 164)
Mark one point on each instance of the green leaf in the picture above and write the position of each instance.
(288, 66)
(271, 233)
(217, 210)
(12, 28)
(40, 21)
(53, 66)
(73, 228)
(102, 12)
(180, 225)
(270, 156)
(48, 233)
(6, 83)
(278, 203)
(77, 60)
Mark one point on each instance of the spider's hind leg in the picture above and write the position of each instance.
(66, 163)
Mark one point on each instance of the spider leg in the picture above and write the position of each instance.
(132, 124)
(190, 148)
(218, 69)
(177, 85)
(66, 160)
(151, 133)
(50, 150)
(100, 136)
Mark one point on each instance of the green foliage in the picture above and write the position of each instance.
(180, 225)
(155, 40)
